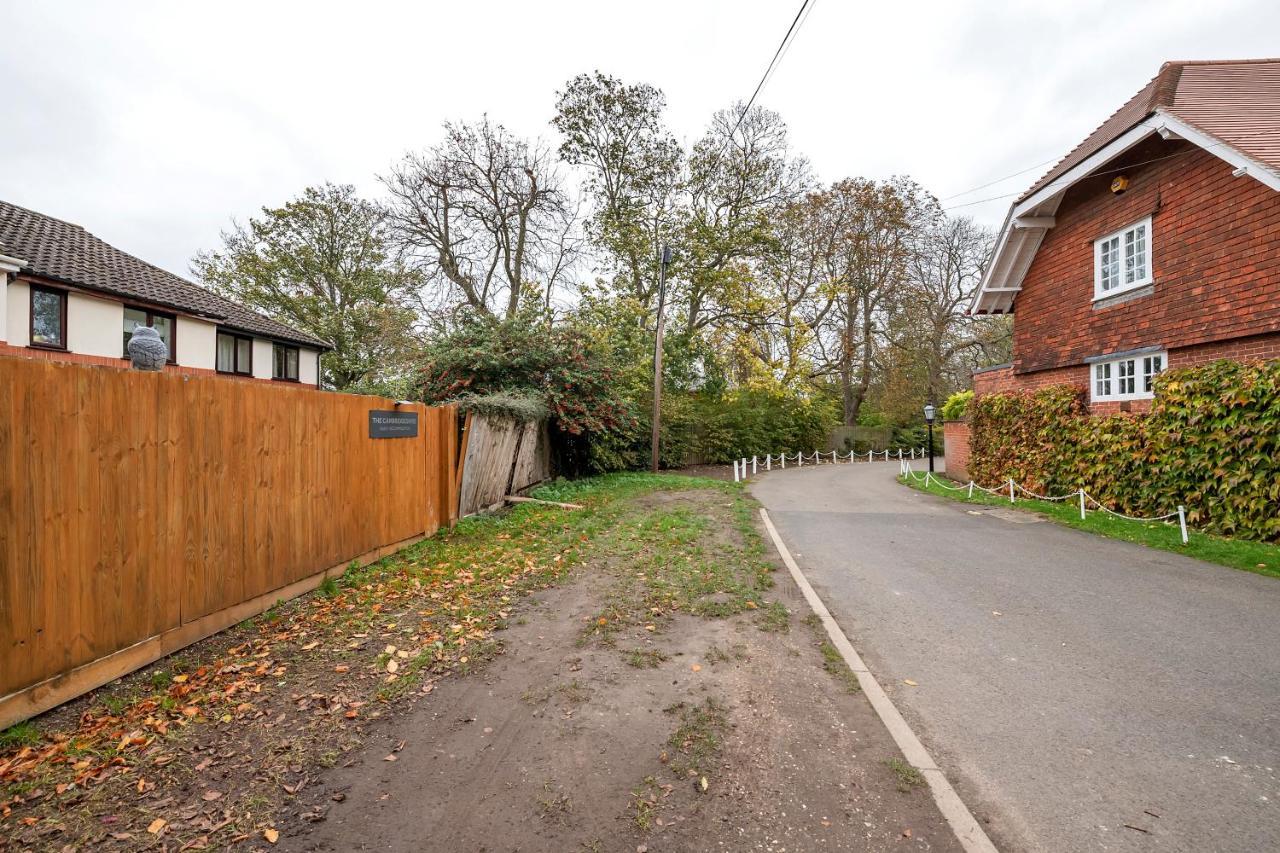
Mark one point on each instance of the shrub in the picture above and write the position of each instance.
(1211, 442)
(957, 405)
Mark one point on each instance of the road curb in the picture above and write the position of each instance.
(967, 830)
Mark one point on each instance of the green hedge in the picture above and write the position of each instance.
(1211, 442)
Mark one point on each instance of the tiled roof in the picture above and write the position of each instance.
(58, 250)
(1236, 101)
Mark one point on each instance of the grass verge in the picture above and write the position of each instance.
(1258, 557)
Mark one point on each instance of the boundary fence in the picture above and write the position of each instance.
(145, 511)
(1011, 489)
(740, 466)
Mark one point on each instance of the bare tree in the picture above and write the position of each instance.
(944, 270)
(484, 215)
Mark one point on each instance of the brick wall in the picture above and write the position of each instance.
(1215, 245)
(955, 442)
(120, 363)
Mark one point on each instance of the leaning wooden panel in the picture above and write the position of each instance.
(138, 503)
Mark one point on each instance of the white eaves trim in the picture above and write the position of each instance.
(1025, 225)
(9, 265)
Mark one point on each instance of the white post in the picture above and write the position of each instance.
(1082, 503)
(735, 471)
(833, 457)
(913, 453)
(744, 467)
(783, 457)
(899, 454)
(753, 465)
(1182, 522)
(926, 479)
(971, 490)
(768, 462)
(799, 460)
(1010, 490)
(817, 460)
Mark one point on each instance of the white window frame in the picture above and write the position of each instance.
(1108, 379)
(1119, 236)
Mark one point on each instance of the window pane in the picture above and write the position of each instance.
(277, 361)
(1110, 263)
(164, 327)
(133, 318)
(46, 318)
(1151, 367)
(1125, 372)
(291, 363)
(226, 353)
(244, 355)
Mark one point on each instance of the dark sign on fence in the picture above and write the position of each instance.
(390, 424)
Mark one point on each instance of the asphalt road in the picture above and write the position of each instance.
(1072, 687)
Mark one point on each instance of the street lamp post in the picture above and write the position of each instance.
(929, 412)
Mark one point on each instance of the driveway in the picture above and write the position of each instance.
(1082, 693)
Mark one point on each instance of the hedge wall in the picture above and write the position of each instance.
(1210, 442)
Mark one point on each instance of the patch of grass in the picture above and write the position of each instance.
(907, 777)
(644, 802)
(774, 618)
(833, 662)
(645, 658)
(328, 587)
(1257, 557)
(19, 735)
(554, 804)
(160, 680)
(696, 741)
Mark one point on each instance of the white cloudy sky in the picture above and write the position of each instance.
(153, 123)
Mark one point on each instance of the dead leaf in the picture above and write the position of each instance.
(311, 645)
(390, 758)
(392, 666)
(210, 796)
(342, 667)
(271, 835)
(909, 681)
(697, 667)
(157, 825)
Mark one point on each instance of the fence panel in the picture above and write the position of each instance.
(133, 504)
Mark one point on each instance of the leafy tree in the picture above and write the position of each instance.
(616, 133)
(323, 263)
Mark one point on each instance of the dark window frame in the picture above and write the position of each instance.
(235, 354)
(63, 297)
(276, 347)
(173, 329)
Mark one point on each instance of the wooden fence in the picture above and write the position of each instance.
(140, 512)
(502, 456)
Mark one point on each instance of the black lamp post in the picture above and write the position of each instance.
(929, 412)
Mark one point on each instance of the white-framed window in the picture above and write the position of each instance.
(1122, 261)
(1129, 378)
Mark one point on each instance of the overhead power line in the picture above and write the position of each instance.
(773, 63)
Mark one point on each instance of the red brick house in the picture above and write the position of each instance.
(1155, 243)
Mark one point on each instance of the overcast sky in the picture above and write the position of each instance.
(153, 124)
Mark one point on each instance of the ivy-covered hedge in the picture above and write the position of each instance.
(1211, 442)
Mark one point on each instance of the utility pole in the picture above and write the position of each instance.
(664, 260)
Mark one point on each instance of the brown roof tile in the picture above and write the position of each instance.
(54, 249)
(1237, 101)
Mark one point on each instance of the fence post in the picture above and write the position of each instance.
(768, 462)
(913, 453)
(971, 490)
(799, 460)
(926, 479)
(783, 457)
(1082, 503)
(833, 457)
(753, 464)
(735, 470)
(744, 467)
(1010, 490)
(1182, 522)
(899, 454)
